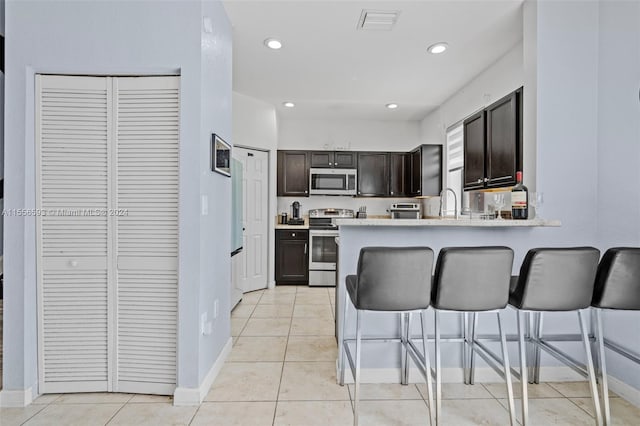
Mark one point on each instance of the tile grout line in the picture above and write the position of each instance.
(584, 409)
(193, 417)
(284, 358)
(117, 411)
(35, 414)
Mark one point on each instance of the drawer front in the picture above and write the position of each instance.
(293, 234)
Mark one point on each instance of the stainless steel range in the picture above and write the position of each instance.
(322, 241)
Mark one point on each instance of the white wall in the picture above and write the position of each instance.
(618, 203)
(110, 38)
(255, 126)
(215, 229)
(357, 135)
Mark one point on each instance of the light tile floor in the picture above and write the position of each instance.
(281, 371)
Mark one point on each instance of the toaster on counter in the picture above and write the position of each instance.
(405, 211)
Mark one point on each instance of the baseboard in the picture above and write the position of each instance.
(195, 396)
(271, 285)
(16, 398)
(626, 391)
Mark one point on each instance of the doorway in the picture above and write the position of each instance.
(253, 268)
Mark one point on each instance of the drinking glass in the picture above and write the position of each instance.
(498, 201)
(537, 199)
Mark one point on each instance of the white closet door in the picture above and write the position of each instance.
(72, 134)
(147, 133)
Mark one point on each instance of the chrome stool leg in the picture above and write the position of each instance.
(343, 342)
(592, 375)
(356, 393)
(602, 366)
(438, 369)
(537, 335)
(427, 364)
(472, 361)
(523, 367)
(404, 355)
(507, 370)
(465, 347)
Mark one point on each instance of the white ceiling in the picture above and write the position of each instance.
(332, 70)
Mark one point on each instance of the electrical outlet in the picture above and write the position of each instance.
(203, 323)
(205, 205)
(215, 309)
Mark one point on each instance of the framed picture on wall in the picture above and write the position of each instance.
(220, 156)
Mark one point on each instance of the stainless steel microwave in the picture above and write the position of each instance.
(333, 181)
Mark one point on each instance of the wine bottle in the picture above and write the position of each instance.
(519, 199)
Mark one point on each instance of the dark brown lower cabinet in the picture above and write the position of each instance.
(292, 256)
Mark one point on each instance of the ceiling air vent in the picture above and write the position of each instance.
(378, 20)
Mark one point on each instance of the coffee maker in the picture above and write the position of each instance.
(296, 214)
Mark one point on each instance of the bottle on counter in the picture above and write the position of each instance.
(519, 199)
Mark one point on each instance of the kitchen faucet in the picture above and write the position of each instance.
(455, 202)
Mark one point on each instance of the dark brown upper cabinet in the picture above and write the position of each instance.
(293, 173)
(474, 151)
(373, 174)
(493, 144)
(424, 171)
(398, 174)
(334, 159)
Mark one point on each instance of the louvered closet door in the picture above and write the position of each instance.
(147, 235)
(72, 134)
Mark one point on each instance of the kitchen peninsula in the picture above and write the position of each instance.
(380, 361)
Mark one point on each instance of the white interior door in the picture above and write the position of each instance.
(253, 261)
(107, 184)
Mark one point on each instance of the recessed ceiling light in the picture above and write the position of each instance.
(392, 106)
(289, 104)
(273, 43)
(438, 48)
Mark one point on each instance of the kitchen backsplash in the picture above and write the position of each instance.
(375, 206)
(477, 201)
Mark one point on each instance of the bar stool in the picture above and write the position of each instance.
(617, 287)
(390, 279)
(473, 279)
(560, 280)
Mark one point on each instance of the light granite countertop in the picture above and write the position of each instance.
(300, 227)
(473, 223)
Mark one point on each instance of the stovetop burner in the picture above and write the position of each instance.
(323, 218)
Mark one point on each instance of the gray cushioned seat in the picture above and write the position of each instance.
(472, 278)
(556, 279)
(392, 279)
(617, 283)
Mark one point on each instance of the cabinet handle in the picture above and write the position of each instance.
(486, 179)
(418, 191)
(293, 234)
(391, 192)
(480, 180)
(331, 164)
(335, 164)
(305, 248)
(305, 191)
